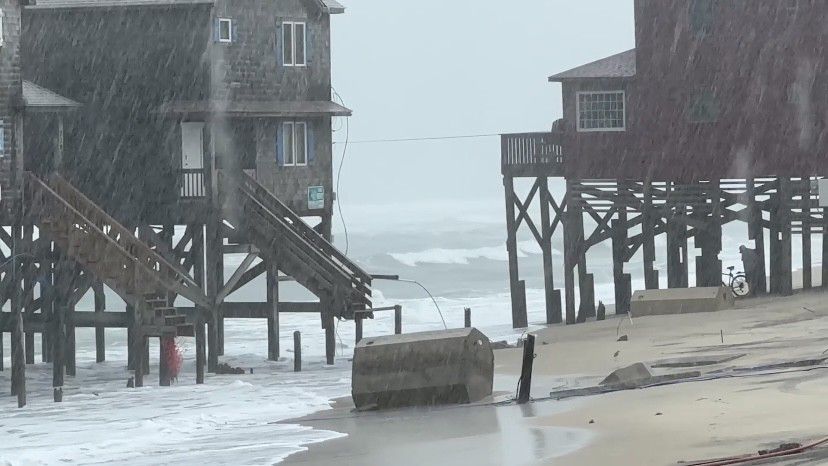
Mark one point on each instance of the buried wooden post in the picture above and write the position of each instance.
(526, 370)
(358, 324)
(297, 351)
(398, 320)
(467, 312)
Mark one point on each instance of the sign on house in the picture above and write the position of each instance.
(316, 197)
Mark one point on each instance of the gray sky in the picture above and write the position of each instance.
(455, 67)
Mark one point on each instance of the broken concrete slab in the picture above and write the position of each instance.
(631, 385)
(422, 369)
(681, 301)
(629, 374)
(695, 361)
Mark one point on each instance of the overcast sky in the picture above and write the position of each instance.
(455, 67)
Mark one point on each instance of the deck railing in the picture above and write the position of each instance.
(192, 183)
(526, 154)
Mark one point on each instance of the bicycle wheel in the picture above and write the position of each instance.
(740, 286)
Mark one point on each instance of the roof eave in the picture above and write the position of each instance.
(557, 79)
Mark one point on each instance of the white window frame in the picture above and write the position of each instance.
(291, 126)
(600, 130)
(229, 38)
(292, 25)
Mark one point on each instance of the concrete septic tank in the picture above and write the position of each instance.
(422, 369)
(681, 301)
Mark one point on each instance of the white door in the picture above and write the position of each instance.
(192, 146)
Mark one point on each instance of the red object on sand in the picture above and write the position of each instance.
(173, 356)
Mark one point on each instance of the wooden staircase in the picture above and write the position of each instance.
(96, 241)
(301, 252)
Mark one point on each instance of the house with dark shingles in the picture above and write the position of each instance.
(718, 115)
(196, 129)
(172, 87)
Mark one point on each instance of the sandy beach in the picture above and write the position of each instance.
(757, 400)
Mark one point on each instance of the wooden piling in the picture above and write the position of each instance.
(570, 254)
(518, 311)
(553, 303)
(214, 260)
(197, 251)
(63, 278)
(71, 344)
(756, 232)
(297, 351)
(164, 375)
(677, 255)
(357, 328)
(2, 356)
(100, 331)
(525, 387)
(330, 334)
(807, 266)
(130, 311)
(200, 338)
(623, 289)
(786, 253)
(648, 238)
(586, 281)
(18, 344)
(138, 343)
(46, 302)
(398, 320)
(273, 314)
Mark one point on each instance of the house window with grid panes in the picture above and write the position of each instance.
(294, 44)
(601, 111)
(295, 144)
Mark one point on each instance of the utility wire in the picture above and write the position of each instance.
(395, 278)
(339, 173)
(427, 138)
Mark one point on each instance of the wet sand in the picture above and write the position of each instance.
(742, 411)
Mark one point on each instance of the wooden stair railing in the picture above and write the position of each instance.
(173, 278)
(317, 263)
(89, 235)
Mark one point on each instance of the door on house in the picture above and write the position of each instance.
(192, 160)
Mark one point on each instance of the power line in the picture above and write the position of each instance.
(428, 138)
(339, 174)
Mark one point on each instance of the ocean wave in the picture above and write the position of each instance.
(462, 256)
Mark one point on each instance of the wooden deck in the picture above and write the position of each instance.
(532, 154)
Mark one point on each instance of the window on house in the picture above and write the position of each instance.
(601, 111)
(225, 30)
(293, 44)
(295, 144)
(701, 16)
(704, 108)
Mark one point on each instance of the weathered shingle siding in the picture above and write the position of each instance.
(291, 184)
(121, 65)
(10, 85)
(759, 66)
(248, 69)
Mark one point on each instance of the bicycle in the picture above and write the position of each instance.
(737, 283)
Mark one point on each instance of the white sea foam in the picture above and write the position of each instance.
(462, 256)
